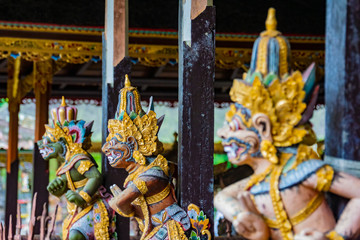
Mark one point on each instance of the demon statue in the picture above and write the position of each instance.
(149, 196)
(78, 178)
(268, 128)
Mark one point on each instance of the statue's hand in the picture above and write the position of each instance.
(116, 191)
(74, 197)
(251, 226)
(310, 234)
(249, 222)
(57, 187)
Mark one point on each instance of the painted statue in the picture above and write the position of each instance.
(268, 128)
(89, 214)
(148, 193)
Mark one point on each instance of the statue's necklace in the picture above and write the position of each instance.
(258, 177)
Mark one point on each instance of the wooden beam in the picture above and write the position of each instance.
(12, 152)
(196, 108)
(41, 111)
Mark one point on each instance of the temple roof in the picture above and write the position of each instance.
(294, 16)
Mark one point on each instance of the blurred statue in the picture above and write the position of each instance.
(149, 195)
(78, 178)
(268, 128)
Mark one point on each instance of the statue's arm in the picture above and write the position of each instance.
(94, 180)
(347, 186)
(226, 200)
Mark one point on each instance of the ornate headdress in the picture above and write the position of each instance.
(77, 133)
(131, 121)
(269, 88)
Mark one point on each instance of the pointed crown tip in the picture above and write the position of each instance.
(127, 81)
(271, 20)
(63, 103)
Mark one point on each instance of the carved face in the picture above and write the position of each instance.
(119, 154)
(49, 149)
(243, 134)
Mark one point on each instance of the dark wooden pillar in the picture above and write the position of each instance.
(11, 195)
(115, 65)
(342, 85)
(196, 104)
(40, 166)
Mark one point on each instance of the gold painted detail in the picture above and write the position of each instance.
(148, 55)
(282, 219)
(96, 31)
(261, 62)
(41, 49)
(81, 183)
(257, 178)
(324, 178)
(85, 196)
(124, 214)
(158, 196)
(175, 230)
(141, 186)
(333, 235)
(144, 129)
(303, 214)
(84, 166)
(304, 153)
(282, 102)
(70, 219)
(283, 54)
(140, 201)
(101, 227)
(160, 161)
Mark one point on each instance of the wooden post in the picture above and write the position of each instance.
(196, 104)
(11, 195)
(342, 86)
(42, 73)
(115, 65)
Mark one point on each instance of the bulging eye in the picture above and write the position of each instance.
(235, 124)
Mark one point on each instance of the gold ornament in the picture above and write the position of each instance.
(325, 176)
(282, 219)
(268, 150)
(333, 235)
(282, 102)
(85, 196)
(124, 214)
(84, 166)
(139, 158)
(257, 178)
(159, 196)
(141, 186)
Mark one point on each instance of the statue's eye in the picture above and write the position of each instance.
(235, 124)
(45, 141)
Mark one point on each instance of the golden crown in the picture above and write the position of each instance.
(63, 113)
(269, 88)
(131, 120)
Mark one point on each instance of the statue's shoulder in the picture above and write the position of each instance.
(292, 177)
(81, 159)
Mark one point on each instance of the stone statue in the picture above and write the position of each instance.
(78, 178)
(148, 193)
(268, 129)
